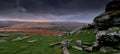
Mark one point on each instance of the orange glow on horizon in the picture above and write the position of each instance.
(26, 20)
(35, 20)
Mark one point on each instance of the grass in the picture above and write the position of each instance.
(42, 45)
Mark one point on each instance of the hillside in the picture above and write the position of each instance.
(58, 26)
(43, 44)
(100, 37)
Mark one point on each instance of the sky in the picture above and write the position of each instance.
(51, 10)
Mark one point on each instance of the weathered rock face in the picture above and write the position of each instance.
(107, 38)
(110, 18)
(108, 26)
(110, 39)
(106, 21)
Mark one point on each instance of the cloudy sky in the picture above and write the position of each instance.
(51, 10)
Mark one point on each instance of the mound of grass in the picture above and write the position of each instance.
(42, 45)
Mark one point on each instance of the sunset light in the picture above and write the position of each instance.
(36, 20)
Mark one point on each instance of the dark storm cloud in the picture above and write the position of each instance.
(55, 5)
(52, 9)
(62, 6)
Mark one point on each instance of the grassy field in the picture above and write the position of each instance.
(42, 45)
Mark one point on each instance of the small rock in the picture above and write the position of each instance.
(66, 43)
(106, 49)
(26, 37)
(114, 28)
(79, 42)
(90, 49)
(83, 46)
(95, 44)
(78, 48)
(17, 39)
(100, 33)
(32, 41)
(87, 44)
(114, 33)
(1, 41)
(21, 38)
(53, 44)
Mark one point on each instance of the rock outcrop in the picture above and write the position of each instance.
(107, 27)
(111, 16)
(110, 39)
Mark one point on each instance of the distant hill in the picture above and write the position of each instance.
(61, 26)
(8, 23)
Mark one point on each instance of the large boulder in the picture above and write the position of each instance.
(110, 39)
(107, 20)
(107, 39)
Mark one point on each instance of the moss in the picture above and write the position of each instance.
(111, 31)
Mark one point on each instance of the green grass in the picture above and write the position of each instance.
(42, 45)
